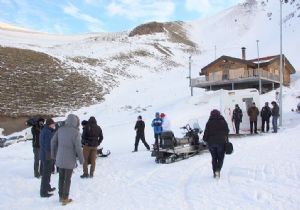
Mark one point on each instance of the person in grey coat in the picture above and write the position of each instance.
(65, 147)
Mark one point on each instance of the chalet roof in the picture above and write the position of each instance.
(227, 58)
(263, 61)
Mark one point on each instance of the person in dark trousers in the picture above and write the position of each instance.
(35, 130)
(265, 114)
(45, 156)
(216, 134)
(275, 115)
(157, 127)
(83, 124)
(253, 112)
(140, 134)
(65, 149)
(92, 137)
(237, 117)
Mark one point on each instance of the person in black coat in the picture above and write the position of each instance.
(140, 134)
(265, 114)
(91, 138)
(237, 117)
(35, 130)
(216, 135)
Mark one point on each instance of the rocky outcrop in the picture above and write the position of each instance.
(34, 83)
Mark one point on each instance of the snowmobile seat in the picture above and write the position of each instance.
(167, 139)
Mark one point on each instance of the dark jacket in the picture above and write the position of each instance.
(237, 115)
(275, 110)
(253, 112)
(216, 130)
(140, 128)
(92, 134)
(35, 130)
(45, 143)
(265, 113)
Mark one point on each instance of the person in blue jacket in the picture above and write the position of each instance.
(45, 156)
(157, 127)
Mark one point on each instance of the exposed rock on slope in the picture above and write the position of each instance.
(35, 83)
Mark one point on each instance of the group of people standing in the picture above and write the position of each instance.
(64, 146)
(253, 113)
(160, 123)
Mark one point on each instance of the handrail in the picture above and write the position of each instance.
(247, 74)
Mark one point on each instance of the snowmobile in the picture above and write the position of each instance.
(172, 149)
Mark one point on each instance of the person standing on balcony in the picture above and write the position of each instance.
(253, 113)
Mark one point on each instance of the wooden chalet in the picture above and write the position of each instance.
(234, 73)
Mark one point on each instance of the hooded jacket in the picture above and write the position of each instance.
(92, 133)
(66, 145)
(45, 143)
(216, 130)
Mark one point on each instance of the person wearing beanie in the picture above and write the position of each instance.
(91, 138)
(215, 135)
(157, 127)
(237, 117)
(140, 134)
(35, 130)
(265, 114)
(45, 156)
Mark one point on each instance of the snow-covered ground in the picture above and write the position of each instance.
(262, 173)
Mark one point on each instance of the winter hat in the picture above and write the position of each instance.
(41, 119)
(267, 103)
(162, 115)
(157, 114)
(215, 113)
(49, 121)
(236, 105)
(139, 117)
(84, 122)
(92, 120)
(273, 102)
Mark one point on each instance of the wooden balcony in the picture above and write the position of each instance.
(250, 77)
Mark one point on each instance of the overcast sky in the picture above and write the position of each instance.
(74, 16)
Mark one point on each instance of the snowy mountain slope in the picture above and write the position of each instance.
(241, 25)
(109, 58)
(262, 173)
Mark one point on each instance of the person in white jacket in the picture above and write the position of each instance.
(166, 125)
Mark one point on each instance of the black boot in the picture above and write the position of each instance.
(84, 176)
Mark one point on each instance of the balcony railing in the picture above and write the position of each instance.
(252, 74)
